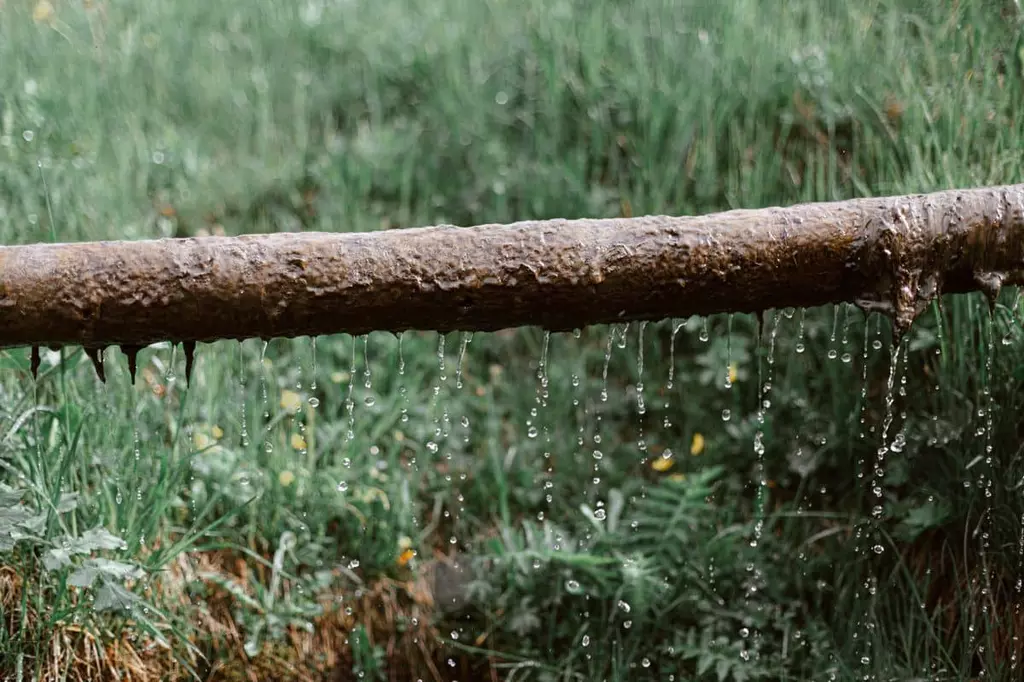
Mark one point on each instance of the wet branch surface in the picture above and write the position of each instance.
(893, 254)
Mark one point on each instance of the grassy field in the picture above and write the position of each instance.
(598, 506)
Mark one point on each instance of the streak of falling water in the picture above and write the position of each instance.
(434, 445)
(597, 454)
(169, 375)
(263, 381)
(466, 338)
(939, 347)
(241, 371)
(403, 392)
(442, 377)
(879, 471)
(541, 399)
(641, 407)
(350, 403)
(753, 584)
(531, 424)
(832, 352)
(866, 624)
(763, 404)
(1019, 592)
(312, 351)
(863, 395)
(846, 357)
(367, 374)
(670, 384)
(728, 353)
(800, 347)
(988, 472)
(607, 361)
(580, 429)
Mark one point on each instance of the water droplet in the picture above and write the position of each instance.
(314, 402)
(598, 454)
(573, 586)
(28, 135)
(342, 486)
(369, 401)
(645, 662)
(532, 432)
(726, 415)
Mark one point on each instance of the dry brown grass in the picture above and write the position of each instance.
(397, 614)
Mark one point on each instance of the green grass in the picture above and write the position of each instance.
(254, 507)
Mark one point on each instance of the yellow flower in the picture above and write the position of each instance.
(678, 478)
(733, 373)
(697, 446)
(404, 542)
(290, 401)
(339, 377)
(298, 442)
(285, 478)
(663, 463)
(201, 440)
(399, 436)
(43, 11)
(406, 556)
(217, 432)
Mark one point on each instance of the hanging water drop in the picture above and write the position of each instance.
(263, 380)
(367, 379)
(800, 336)
(96, 355)
(312, 353)
(466, 338)
(133, 356)
(189, 347)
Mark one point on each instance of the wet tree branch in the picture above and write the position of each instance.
(892, 254)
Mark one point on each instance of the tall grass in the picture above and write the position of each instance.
(283, 515)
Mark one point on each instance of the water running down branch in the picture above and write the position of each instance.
(891, 254)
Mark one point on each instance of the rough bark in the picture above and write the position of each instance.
(894, 254)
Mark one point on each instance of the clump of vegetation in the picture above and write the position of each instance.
(720, 499)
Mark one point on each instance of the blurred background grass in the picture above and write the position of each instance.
(474, 507)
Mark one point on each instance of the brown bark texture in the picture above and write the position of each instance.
(892, 254)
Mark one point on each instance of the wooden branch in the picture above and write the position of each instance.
(891, 254)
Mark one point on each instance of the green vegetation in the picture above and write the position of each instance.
(287, 515)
